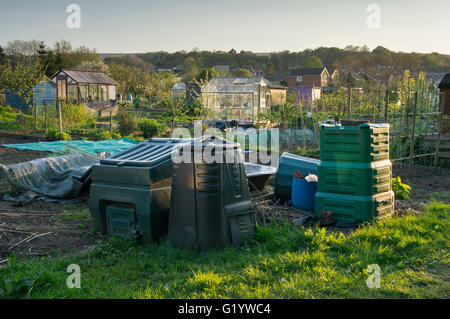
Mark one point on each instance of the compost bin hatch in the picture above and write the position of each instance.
(130, 191)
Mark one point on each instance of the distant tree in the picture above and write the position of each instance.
(312, 62)
(189, 68)
(2, 56)
(20, 78)
(242, 73)
(98, 66)
(205, 75)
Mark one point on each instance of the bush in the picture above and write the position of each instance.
(99, 135)
(127, 121)
(55, 135)
(150, 127)
(401, 190)
(116, 136)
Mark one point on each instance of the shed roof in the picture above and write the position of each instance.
(445, 82)
(234, 84)
(87, 77)
(313, 71)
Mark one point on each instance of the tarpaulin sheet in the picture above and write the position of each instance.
(92, 147)
(54, 177)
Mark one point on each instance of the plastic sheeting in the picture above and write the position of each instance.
(56, 177)
(111, 146)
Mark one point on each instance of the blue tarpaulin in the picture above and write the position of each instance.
(111, 146)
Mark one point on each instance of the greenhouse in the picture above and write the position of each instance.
(236, 98)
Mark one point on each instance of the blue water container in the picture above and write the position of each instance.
(303, 193)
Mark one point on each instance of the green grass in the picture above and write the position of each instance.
(282, 261)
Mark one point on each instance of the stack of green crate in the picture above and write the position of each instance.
(355, 173)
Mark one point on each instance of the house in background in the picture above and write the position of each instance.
(236, 98)
(95, 89)
(44, 93)
(317, 77)
(222, 68)
(179, 90)
(444, 87)
(334, 77)
(278, 94)
(306, 95)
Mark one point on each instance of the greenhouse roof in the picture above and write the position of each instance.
(235, 84)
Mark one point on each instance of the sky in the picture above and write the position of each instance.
(137, 26)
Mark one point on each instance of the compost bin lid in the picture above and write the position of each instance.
(360, 126)
(210, 141)
(147, 153)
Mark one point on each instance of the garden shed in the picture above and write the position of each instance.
(95, 89)
(236, 98)
(43, 94)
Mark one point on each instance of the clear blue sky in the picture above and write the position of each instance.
(256, 25)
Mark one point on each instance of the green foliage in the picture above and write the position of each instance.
(312, 62)
(401, 190)
(99, 135)
(55, 135)
(150, 127)
(242, 73)
(127, 120)
(303, 151)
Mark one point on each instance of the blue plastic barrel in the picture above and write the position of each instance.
(303, 194)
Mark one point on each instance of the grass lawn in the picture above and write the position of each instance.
(282, 261)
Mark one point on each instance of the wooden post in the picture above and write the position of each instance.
(438, 143)
(35, 117)
(386, 106)
(45, 117)
(60, 117)
(413, 131)
(373, 113)
(110, 122)
(349, 103)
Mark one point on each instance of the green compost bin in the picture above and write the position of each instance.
(210, 201)
(130, 191)
(355, 173)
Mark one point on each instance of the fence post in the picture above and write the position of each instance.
(110, 122)
(35, 117)
(45, 117)
(60, 117)
(386, 107)
(438, 142)
(349, 103)
(413, 131)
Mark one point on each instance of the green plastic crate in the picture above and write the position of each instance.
(351, 209)
(364, 143)
(364, 179)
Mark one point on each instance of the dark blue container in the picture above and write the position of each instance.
(303, 193)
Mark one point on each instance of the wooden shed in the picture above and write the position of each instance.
(95, 89)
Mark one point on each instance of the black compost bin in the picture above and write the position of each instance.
(210, 202)
(130, 191)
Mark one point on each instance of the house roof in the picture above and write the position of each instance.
(445, 82)
(314, 71)
(234, 84)
(87, 77)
